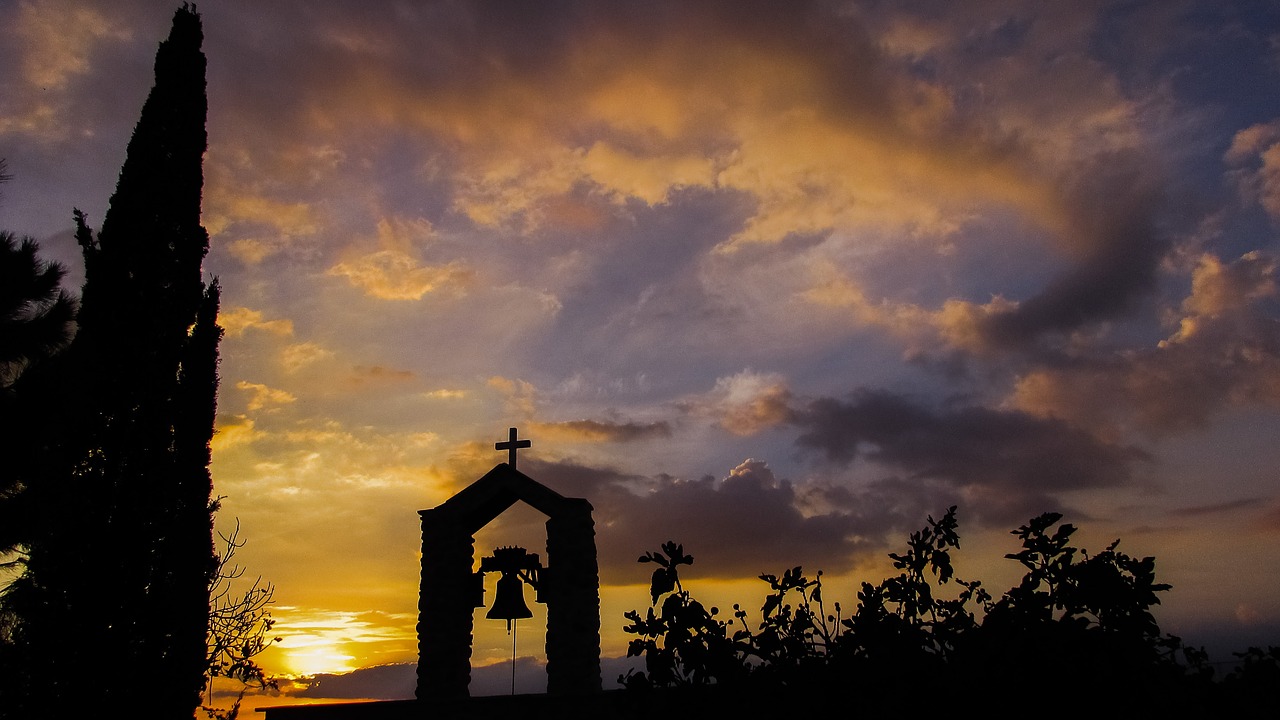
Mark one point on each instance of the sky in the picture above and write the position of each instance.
(777, 281)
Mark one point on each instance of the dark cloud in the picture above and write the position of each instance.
(965, 447)
(750, 522)
(381, 682)
(1001, 467)
(1113, 204)
(604, 431)
(744, 524)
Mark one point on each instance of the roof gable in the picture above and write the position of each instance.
(485, 499)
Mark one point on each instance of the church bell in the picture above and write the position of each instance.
(508, 600)
(517, 567)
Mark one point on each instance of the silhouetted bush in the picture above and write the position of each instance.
(1075, 635)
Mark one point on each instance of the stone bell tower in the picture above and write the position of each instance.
(570, 583)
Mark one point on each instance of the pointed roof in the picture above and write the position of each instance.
(500, 488)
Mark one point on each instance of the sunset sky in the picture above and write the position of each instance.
(774, 280)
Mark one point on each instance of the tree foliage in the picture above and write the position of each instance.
(118, 551)
(1076, 634)
(35, 312)
(35, 322)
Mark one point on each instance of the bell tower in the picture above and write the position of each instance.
(569, 584)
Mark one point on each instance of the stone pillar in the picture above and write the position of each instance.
(573, 603)
(445, 605)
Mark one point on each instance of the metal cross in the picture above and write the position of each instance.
(511, 445)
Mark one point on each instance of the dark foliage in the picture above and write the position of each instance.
(35, 322)
(695, 647)
(35, 313)
(118, 553)
(1075, 636)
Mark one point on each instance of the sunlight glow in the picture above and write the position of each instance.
(319, 658)
(324, 641)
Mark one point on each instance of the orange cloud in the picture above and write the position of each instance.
(749, 402)
(650, 178)
(1255, 153)
(299, 355)
(393, 275)
(229, 433)
(235, 321)
(1223, 353)
(263, 397)
(521, 395)
(955, 324)
(1217, 288)
(445, 394)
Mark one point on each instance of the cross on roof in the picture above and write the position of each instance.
(511, 445)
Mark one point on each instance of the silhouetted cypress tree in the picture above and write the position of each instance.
(112, 607)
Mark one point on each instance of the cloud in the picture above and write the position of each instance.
(1112, 202)
(1255, 155)
(285, 218)
(58, 44)
(235, 321)
(649, 178)
(318, 638)
(230, 432)
(299, 355)
(363, 376)
(515, 189)
(1218, 289)
(60, 38)
(601, 431)
(750, 521)
(955, 324)
(1224, 352)
(746, 523)
(1247, 143)
(1100, 218)
(396, 681)
(445, 394)
(800, 110)
(394, 275)
(522, 397)
(263, 397)
(745, 403)
(970, 448)
(252, 207)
